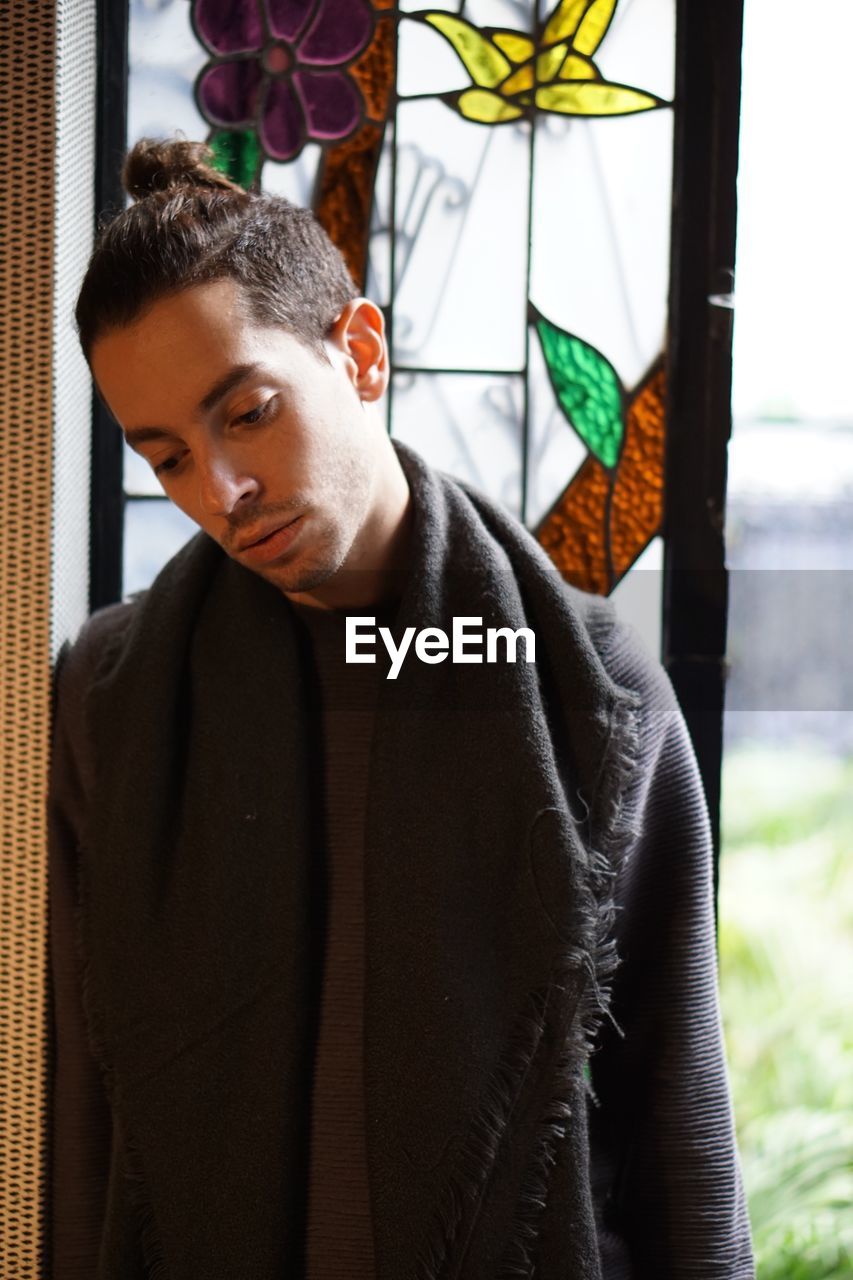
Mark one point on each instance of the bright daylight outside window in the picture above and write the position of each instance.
(786, 886)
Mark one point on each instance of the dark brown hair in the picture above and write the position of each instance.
(192, 224)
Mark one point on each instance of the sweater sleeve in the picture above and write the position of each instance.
(665, 1166)
(80, 1126)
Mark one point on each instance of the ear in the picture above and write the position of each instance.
(358, 335)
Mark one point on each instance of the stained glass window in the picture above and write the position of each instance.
(497, 174)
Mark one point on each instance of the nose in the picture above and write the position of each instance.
(222, 484)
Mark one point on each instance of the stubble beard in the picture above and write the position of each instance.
(327, 547)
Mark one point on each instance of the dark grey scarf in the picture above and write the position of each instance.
(494, 826)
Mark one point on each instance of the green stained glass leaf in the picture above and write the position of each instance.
(594, 98)
(483, 61)
(588, 390)
(236, 154)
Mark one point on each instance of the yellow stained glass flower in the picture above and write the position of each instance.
(511, 74)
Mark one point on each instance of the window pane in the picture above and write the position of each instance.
(461, 245)
(164, 59)
(153, 531)
(466, 424)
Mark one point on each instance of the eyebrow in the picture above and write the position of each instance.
(235, 375)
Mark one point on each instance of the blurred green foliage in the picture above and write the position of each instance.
(786, 960)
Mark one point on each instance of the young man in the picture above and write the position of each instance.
(356, 975)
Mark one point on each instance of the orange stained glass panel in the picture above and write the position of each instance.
(374, 70)
(637, 507)
(345, 195)
(573, 531)
(348, 169)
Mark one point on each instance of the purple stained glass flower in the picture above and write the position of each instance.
(280, 67)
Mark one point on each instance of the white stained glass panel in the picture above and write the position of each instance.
(427, 61)
(601, 233)
(511, 14)
(153, 532)
(639, 596)
(378, 275)
(639, 47)
(164, 59)
(294, 180)
(460, 256)
(412, 6)
(466, 424)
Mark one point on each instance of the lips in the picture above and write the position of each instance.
(259, 534)
(274, 545)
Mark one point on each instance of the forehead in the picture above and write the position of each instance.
(169, 357)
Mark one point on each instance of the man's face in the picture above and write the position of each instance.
(295, 438)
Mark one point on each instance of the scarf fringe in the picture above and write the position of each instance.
(518, 1257)
(610, 833)
(477, 1156)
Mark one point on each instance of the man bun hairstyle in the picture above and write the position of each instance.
(158, 165)
(191, 224)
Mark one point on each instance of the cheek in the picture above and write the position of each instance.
(330, 435)
(320, 440)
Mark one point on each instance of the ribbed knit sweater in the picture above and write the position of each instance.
(339, 1239)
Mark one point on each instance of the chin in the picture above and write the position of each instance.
(295, 582)
(304, 576)
(313, 565)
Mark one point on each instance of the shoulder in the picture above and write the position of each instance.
(79, 662)
(661, 746)
(667, 790)
(71, 771)
(631, 664)
(80, 659)
(624, 653)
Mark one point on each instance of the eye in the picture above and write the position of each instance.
(257, 415)
(168, 464)
(251, 419)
